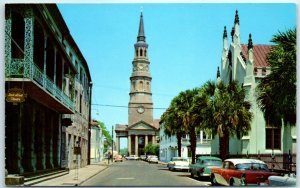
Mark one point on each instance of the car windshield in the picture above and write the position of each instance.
(252, 166)
(212, 162)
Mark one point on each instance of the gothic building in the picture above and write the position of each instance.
(248, 65)
(141, 128)
(47, 85)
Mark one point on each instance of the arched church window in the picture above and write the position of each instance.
(137, 52)
(141, 85)
(18, 35)
(148, 86)
(141, 52)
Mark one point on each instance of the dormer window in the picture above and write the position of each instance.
(255, 71)
(264, 72)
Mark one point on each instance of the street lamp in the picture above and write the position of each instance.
(89, 124)
(112, 143)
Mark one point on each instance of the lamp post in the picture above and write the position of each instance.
(89, 124)
(112, 143)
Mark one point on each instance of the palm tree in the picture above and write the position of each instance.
(183, 104)
(277, 91)
(173, 125)
(227, 112)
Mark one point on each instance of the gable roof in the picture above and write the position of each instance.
(140, 122)
(260, 52)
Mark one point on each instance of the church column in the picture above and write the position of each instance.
(136, 145)
(117, 144)
(146, 140)
(129, 144)
(153, 139)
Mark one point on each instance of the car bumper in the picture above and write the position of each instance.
(181, 167)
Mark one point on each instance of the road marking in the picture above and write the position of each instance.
(125, 178)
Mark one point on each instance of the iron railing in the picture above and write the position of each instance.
(18, 68)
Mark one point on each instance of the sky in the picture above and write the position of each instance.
(185, 44)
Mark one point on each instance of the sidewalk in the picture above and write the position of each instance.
(70, 179)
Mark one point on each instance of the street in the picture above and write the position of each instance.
(141, 173)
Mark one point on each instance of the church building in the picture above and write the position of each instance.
(248, 65)
(142, 129)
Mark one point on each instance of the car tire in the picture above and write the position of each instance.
(213, 180)
(231, 182)
(192, 175)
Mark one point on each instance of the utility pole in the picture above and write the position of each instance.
(112, 143)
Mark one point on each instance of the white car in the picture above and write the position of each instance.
(132, 157)
(286, 180)
(153, 159)
(179, 163)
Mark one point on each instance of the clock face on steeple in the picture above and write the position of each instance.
(141, 109)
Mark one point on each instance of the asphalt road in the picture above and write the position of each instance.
(141, 173)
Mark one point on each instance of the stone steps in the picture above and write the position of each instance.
(44, 177)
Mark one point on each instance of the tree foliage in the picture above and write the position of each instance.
(277, 91)
(216, 107)
(106, 134)
(152, 149)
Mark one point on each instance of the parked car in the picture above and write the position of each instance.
(153, 159)
(239, 172)
(118, 158)
(203, 166)
(286, 180)
(143, 157)
(148, 157)
(132, 157)
(178, 163)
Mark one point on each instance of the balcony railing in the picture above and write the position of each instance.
(18, 68)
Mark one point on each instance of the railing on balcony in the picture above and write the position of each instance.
(17, 68)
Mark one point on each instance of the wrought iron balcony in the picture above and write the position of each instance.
(17, 69)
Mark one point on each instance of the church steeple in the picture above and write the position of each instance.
(140, 107)
(141, 34)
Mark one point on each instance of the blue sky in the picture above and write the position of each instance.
(185, 45)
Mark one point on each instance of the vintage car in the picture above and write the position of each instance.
(203, 166)
(153, 159)
(132, 157)
(286, 180)
(178, 163)
(118, 158)
(240, 172)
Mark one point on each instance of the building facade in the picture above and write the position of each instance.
(248, 65)
(168, 145)
(97, 143)
(40, 74)
(141, 128)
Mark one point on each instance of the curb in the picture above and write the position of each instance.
(91, 176)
